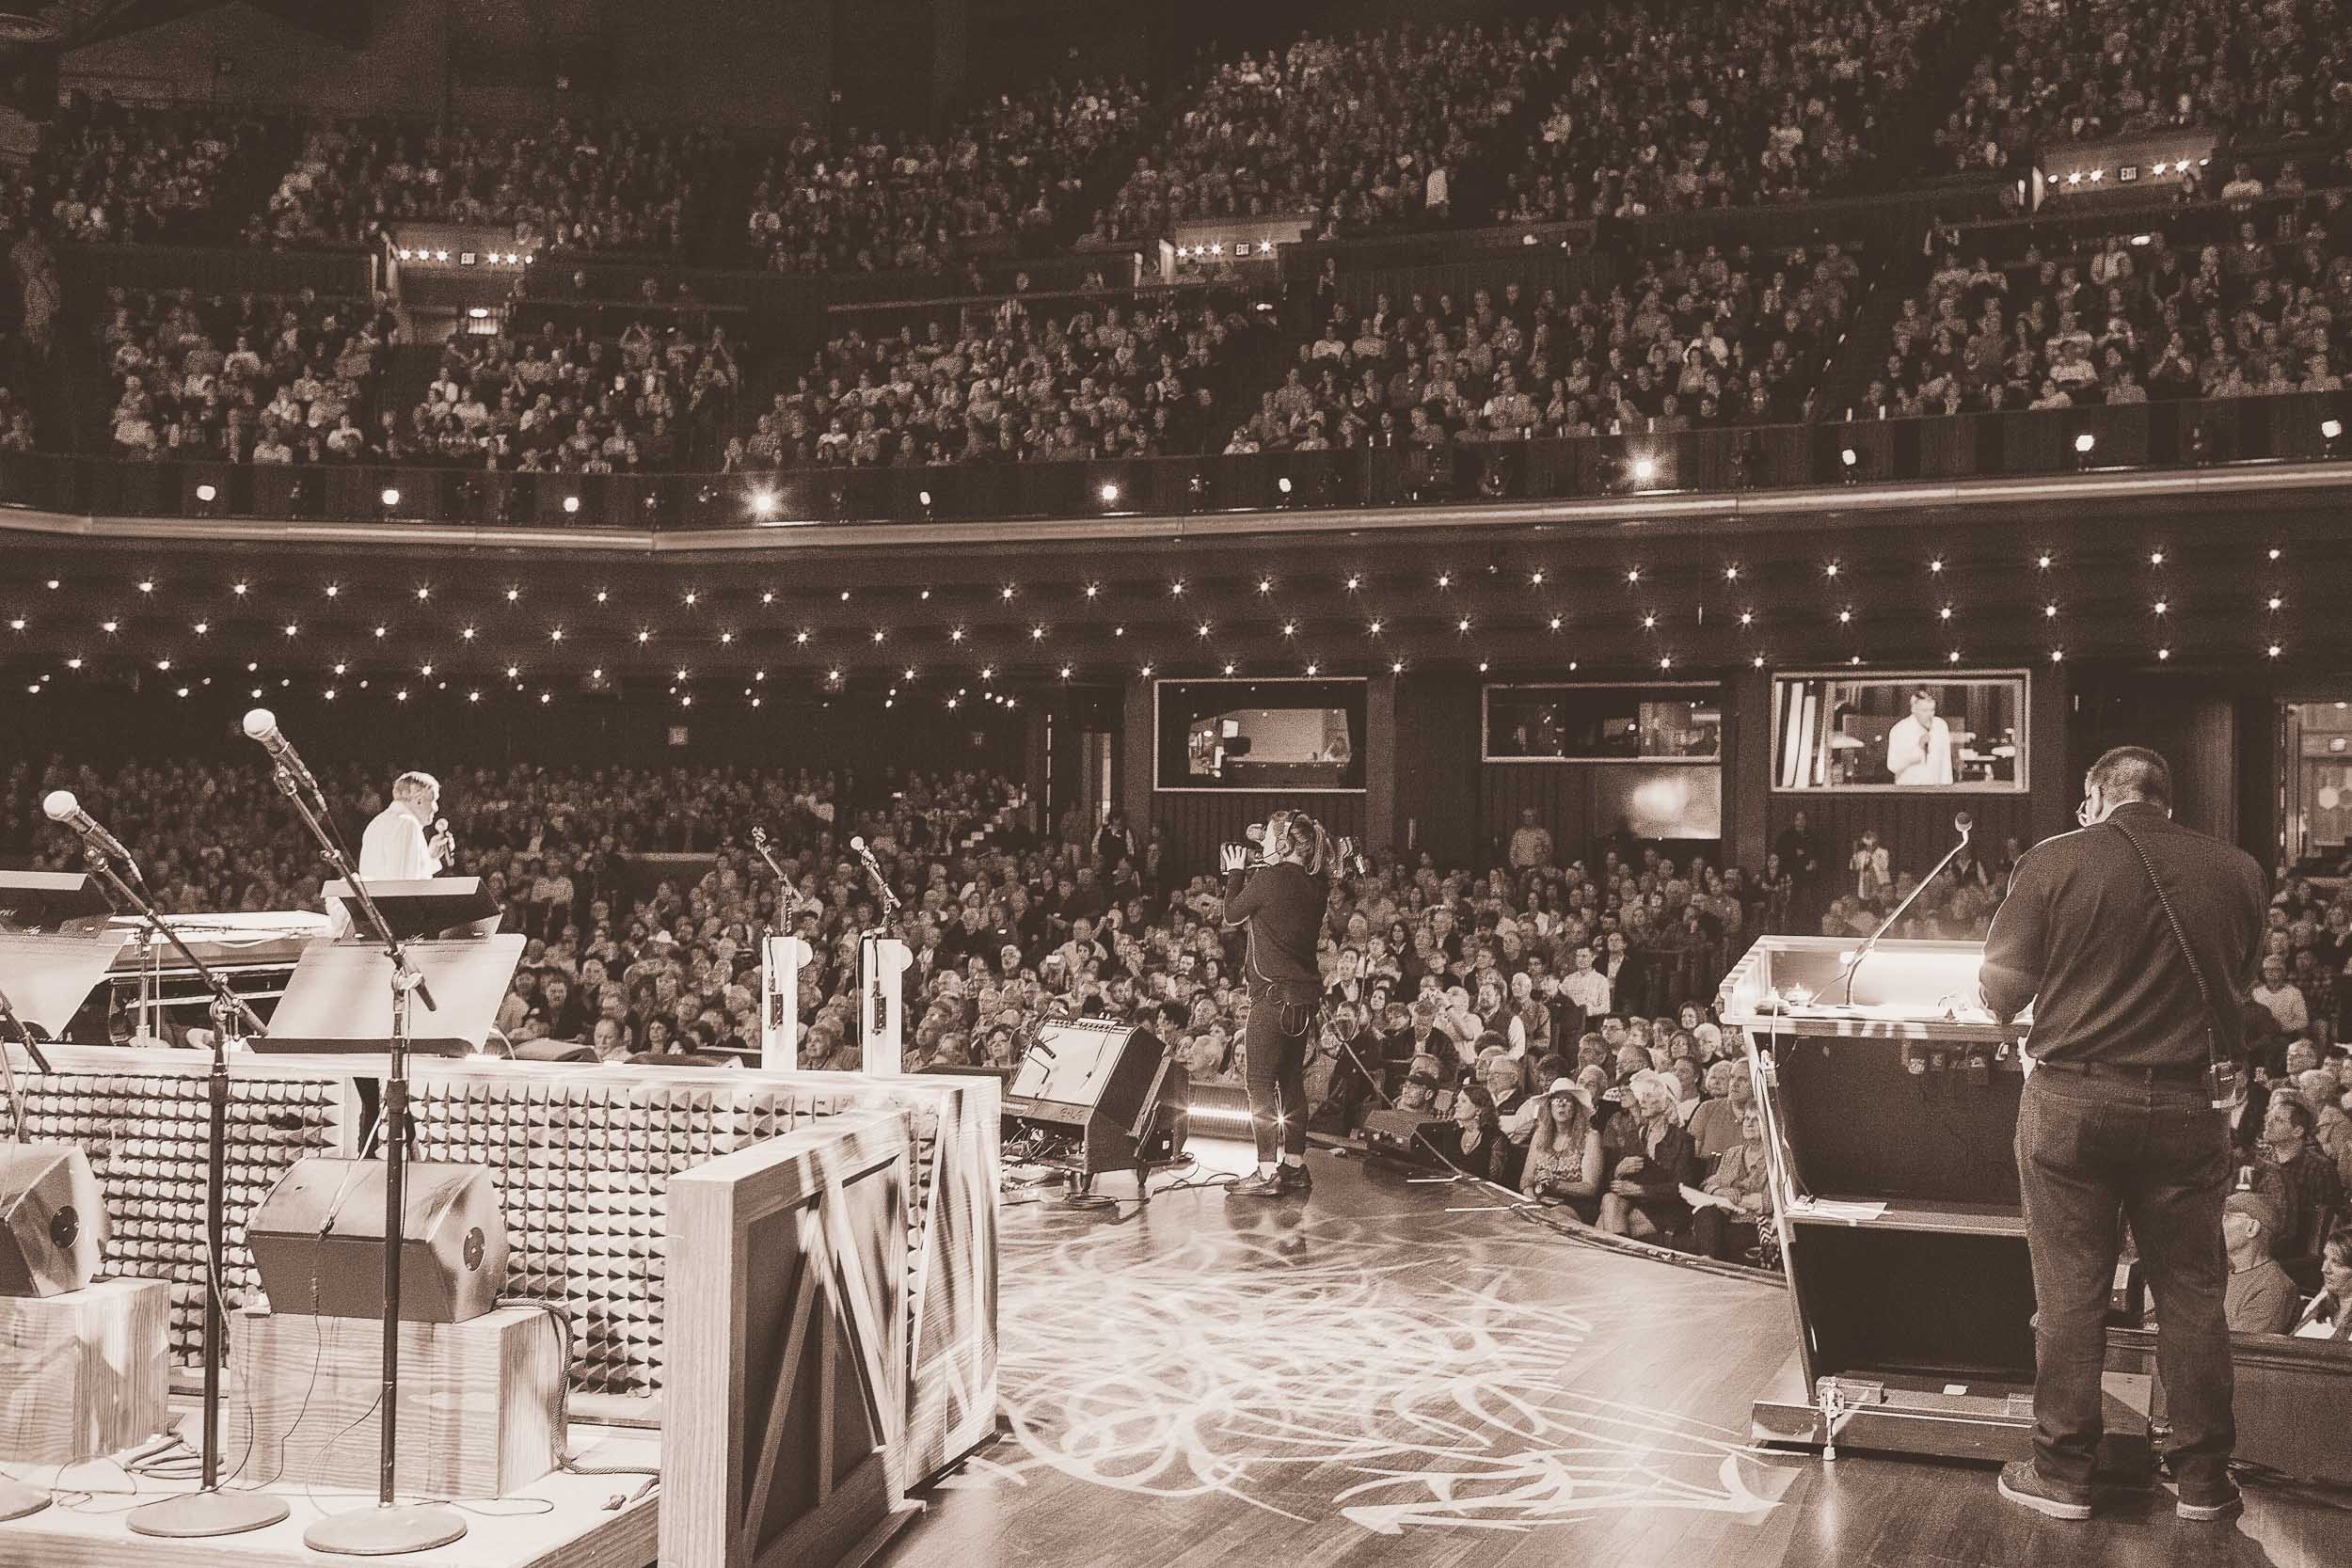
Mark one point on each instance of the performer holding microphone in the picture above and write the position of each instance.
(1281, 902)
(396, 846)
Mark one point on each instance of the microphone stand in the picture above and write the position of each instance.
(207, 1510)
(1968, 830)
(386, 1529)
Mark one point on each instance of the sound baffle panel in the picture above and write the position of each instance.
(582, 1157)
(143, 1120)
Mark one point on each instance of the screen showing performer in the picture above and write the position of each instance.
(1920, 747)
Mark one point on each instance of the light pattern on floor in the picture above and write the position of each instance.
(1340, 1369)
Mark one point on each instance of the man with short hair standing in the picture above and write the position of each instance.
(2134, 940)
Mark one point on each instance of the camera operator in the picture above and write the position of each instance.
(1281, 902)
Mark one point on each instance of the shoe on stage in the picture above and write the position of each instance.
(2022, 1482)
(1255, 1185)
(1296, 1181)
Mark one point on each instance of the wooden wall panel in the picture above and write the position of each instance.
(1194, 825)
(1916, 828)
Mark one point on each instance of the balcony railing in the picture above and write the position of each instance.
(2293, 428)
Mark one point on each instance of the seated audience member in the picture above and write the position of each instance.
(2328, 1314)
(2260, 1298)
(1741, 1179)
(2291, 1171)
(1563, 1150)
(1470, 1141)
(1715, 1125)
(1646, 1159)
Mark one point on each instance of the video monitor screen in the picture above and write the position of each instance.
(1301, 734)
(1898, 732)
(1604, 723)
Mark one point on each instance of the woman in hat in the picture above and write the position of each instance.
(1563, 1153)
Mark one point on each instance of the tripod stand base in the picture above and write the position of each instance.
(385, 1532)
(18, 1499)
(193, 1514)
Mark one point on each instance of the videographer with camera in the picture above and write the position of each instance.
(1278, 894)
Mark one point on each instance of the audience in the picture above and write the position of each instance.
(1013, 384)
(256, 379)
(547, 401)
(1358, 135)
(107, 173)
(583, 187)
(1011, 172)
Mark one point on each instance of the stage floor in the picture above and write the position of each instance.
(1401, 1372)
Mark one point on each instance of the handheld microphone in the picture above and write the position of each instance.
(62, 808)
(262, 725)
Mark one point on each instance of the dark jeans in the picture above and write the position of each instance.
(1274, 1043)
(2092, 1150)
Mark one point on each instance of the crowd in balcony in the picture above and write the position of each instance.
(1018, 382)
(2087, 71)
(1363, 135)
(105, 173)
(1703, 106)
(575, 186)
(257, 378)
(2130, 317)
(1690, 343)
(555, 402)
(1004, 176)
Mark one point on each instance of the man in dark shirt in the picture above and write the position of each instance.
(1280, 907)
(2117, 1116)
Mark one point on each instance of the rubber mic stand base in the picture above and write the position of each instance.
(18, 1499)
(193, 1514)
(387, 1531)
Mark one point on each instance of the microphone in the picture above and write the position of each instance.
(262, 725)
(63, 809)
(1967, 825)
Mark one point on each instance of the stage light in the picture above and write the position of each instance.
(2085, 442)
(1645, 469)
(1284, 484)
(391, 496)
(571, 503)
(1848, 457)
(1109, 494)
(763, 504)
(207, 494)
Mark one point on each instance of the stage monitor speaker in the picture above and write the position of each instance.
(318, 1240)
(53, 1220)
(1092, 1067)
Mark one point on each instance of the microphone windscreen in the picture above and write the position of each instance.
(1255, 833)
(1964, 821)
(857, 845)
(259, 722)
(59, 804)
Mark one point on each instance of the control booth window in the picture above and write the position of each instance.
(1241, 734)
(1677, 722)
(1929, 731)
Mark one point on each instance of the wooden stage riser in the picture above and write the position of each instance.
(582, 1157)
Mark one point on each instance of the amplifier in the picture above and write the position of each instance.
(318, 1240)
(1099, 1086)
(53, 1221)
(1400, 1131)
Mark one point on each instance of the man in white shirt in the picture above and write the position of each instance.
(394, 846)
(1919, 748)
(1587, 987)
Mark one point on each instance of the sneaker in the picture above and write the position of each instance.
(2023, 1484)
(1297, 1180)
(2227, 1504)
(1254, 1185)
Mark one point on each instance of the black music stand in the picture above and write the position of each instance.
(421, 907)
(339, 1000)
(52, 901)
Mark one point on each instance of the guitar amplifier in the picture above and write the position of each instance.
(53, 1221)
(1401, 1131)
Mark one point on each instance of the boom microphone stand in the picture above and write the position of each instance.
(386, 1529)
(208, 1510)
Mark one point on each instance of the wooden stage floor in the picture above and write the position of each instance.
(1398, 1373)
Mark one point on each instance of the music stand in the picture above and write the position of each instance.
(421, 907)
(339, 1000)
(51, 901)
